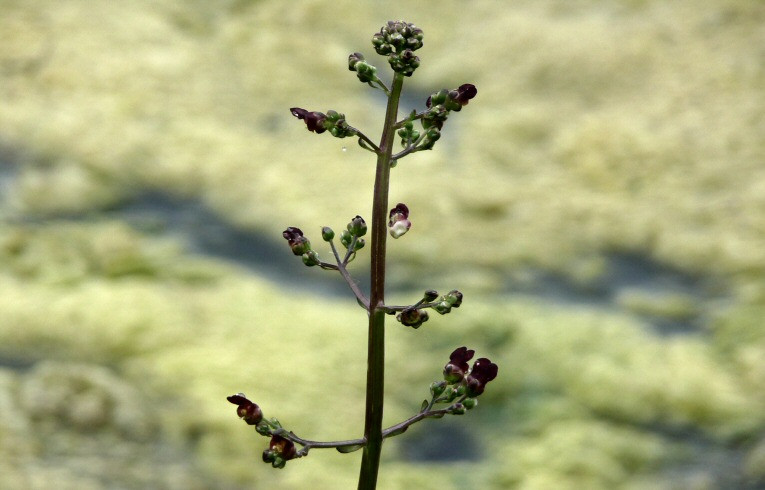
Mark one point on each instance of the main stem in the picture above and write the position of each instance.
(370, 461)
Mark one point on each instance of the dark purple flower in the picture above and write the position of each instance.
(483, 371)
(282, 447)
(464, 93)
(297, 242)
(246, 410)
(458, 365)
(314, 120)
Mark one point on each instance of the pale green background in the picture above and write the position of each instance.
(601, 203)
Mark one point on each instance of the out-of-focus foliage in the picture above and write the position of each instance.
(601, 205)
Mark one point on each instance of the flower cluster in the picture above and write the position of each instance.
(280, 450)
(351, 236)
(415, 315)
(474, 381)
(443, 102)
(366, 72)
(398, 40)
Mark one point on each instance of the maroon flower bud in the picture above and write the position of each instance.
(412, 317)
(283, 448)
(246, 410)
(297, 242)
(430, 295)
(454, 372)
(314, 120)
(399, 223)
(483, 371)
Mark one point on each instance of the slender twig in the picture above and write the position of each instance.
(363, 301)
(392, 309)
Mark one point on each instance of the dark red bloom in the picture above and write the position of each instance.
(284, 448)
(483, 371)
(464, 93)
(314, 120)
(454, 372)
(248, 411)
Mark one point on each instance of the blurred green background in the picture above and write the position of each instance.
(601, 204)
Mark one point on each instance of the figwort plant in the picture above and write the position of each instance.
(457, 392)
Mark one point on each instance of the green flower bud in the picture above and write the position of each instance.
(345, 238)
(457, 409)
(359, 244)
(435, 117)
(437, 388)
(443, 307)
(470, 403)
(454, 298)
(364, 71)
(311, 258)
(357, 226)
(335, 123)
(432, 135)
(429, 295)
(404, 63)
(397, 36)
(327, 234)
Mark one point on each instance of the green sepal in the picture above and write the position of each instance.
(349, 449)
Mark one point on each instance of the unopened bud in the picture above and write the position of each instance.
(412, 317)
(470, 403)
(443, 307)
(345, 238)
(311, 258)
(437, 388)
(454, 298)
(357, 226)
(327, 234)
(457, 409)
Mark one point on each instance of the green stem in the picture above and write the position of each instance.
(373, 434)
